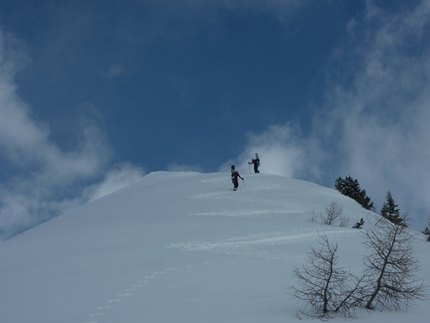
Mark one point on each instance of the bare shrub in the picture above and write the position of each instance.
(314, 216)
(324, 287)
(332, 213)
(389, 279)
(343, 221)
(391, 267)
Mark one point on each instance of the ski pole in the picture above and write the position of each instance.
(243, 183)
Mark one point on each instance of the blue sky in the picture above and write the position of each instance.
(95, 94)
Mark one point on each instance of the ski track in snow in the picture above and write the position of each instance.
(247, 245)
(243, 213)
(278, 206)
(116, 300)
(253, 245)
(250, 245)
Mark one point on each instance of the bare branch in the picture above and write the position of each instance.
(391, 267)
(332, 213)
(324, 287)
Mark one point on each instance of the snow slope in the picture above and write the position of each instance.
(181, 247)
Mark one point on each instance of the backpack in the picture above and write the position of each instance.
(233, 174)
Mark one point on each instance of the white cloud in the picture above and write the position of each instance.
(375, 123)
(282, 150)
(113, 71)
(45, 180)
(277, 149)
(384, 114)
(184, 168)
(115, 179)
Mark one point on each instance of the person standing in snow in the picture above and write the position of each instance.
(234, 176)
(256, 163)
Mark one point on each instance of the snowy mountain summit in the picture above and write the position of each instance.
(183, 247)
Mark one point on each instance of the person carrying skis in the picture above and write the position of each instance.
(256, 163)
(234, 176)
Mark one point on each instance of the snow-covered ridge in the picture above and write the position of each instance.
(180, 247)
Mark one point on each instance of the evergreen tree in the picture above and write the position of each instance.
(427, 230)
(391, 211)
(427, 233)
(359, 225)
(350, 187)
